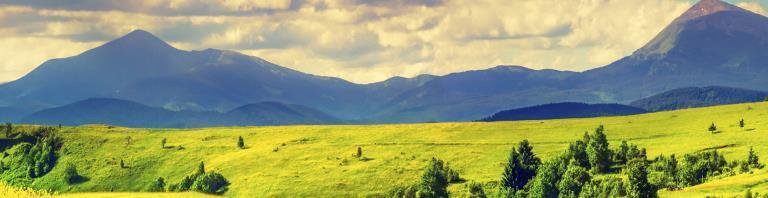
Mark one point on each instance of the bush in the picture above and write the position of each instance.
(597, 151)
(476, 190)
(433, 181)
(157, 186)
(163, 142)
(638, 185)
(211, 183)
(71, 176)
(712, 128)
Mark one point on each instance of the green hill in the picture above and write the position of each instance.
(317, 161)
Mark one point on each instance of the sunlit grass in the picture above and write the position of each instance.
(317, 161)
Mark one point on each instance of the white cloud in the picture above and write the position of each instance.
(359, 40)
(754, 7)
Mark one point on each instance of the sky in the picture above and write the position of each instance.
(361, 41)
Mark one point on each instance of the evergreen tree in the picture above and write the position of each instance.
(637, 174)
(211, 183)
(162, 143)
(521, 166)
(741, 123)
(712, 128)
(70, 174)
(578, 152)
(753, 160)
(122, 164)
(598, 152)
(240, 142)
(545, 184)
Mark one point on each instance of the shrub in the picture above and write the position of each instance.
(433, 181)
(157, 186)
(162, 143)
(753, 160)
(572, 180)
(71, 176)
(122, 164)
(359, 152)
(211, 183)
(741, 123)
(476, 190)
(712, 128)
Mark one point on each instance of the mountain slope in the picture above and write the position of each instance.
(141, 67)
(132, 114)
(564, 110)
(692, 97)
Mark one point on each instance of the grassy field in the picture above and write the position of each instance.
(317, 161)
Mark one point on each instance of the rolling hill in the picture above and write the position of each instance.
(131, 114)
(564, 110)
(298, 161)
(698, 97)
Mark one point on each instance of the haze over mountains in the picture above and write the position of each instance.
(713, 43)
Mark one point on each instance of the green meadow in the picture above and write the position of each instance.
(318, 161)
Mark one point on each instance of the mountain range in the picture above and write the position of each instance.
(711, 44)
(564, 110)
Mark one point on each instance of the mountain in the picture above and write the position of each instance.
(711, 44)
(564, 110)
(691, 97)
(132, 114)
(140, 67)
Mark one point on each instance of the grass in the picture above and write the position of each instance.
(318, 161)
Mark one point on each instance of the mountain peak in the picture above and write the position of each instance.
(706, 7)
(136, 41)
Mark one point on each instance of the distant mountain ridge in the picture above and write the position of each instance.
(711, 44)
(564, 110)
(692, 97)
(132, 114)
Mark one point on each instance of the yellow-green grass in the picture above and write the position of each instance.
(15, 192)
(317, 161)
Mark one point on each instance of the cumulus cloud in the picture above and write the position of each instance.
(359, 40)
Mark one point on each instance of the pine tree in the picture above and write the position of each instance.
(741, 123)
(200, 169)
(597, 151)
(240, 142)
(122, 164)
(521, 166)
(162, 143)
(573, 179)
(752, 159)
(712, 128)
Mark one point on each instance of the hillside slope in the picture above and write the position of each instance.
(691, 97)
(300, 161)
(564, 110)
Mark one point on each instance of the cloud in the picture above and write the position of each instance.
(754, 7)
(359, 40)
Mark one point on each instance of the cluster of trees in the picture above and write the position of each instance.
(200, 181)
(31, 160)
(587, 169)
(434, 181)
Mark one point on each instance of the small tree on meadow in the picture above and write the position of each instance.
(597, 151)
(712, 128)
(741, 123)
(359, 152)
(70, 174)
(753, 160)
(122, 164)
(240, 142)
(162, 143)
(433, 181)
